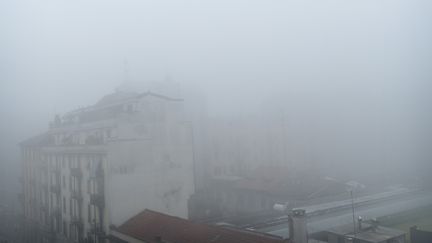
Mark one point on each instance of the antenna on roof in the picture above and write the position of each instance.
(353, 215)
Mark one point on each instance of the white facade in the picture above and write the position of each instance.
(101, 165)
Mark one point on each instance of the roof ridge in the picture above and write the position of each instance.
(142, 226)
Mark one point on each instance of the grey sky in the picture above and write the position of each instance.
(58, 55)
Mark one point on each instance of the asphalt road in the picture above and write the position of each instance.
(377, 209)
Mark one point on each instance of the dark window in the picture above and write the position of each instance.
(64, 205)
(64, 228)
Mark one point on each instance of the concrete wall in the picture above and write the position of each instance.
(150, 163)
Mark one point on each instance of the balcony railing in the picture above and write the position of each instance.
(77, 220)
(97, 229)
(46, 228)
(97, 199)
(76, 172)
(94, 140)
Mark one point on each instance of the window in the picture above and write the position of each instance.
(64, 228)
(64, 181)
(64, 205)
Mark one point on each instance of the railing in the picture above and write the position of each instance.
(97, 199)
(97, 230)
(76, 194)
(76, 172)
(94, 140)
(77, 220)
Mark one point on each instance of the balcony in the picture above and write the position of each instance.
(97, 199)
(97, 230)
(46, 229)
(76, 194)
(94, 140)
(55, 189)
(77, 220)
(76, 172)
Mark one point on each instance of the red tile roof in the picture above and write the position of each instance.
(149, 225)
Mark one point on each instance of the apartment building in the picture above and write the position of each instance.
(100, 165)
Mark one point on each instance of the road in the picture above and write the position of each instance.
(367, 211)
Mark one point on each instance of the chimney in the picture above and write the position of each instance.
(297, 226)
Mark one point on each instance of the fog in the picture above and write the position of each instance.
(349, 81)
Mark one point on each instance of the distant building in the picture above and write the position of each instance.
(420, 236)
(361, 233)
(258, 191)
(103, 164)
(153, 227)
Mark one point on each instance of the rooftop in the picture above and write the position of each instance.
(369, 232)
(151, 226)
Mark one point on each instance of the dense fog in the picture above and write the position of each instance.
(340, 88)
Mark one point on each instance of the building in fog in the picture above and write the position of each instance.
(101, 165)
(258, 191)
(361, 233)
